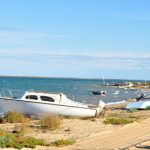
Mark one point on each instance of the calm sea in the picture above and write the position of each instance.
(77, 89)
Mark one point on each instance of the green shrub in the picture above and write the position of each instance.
(6, 140)
(63, 142)
(28, 142)
(132, 110)
(147, 108)
(13, 117)
(17, 141)
(50, 122)
(117, 121)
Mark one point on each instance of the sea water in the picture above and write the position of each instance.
(75, 89)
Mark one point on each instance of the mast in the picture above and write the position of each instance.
(103, 78)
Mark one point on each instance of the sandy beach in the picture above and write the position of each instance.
(93, 134)
(133, 136)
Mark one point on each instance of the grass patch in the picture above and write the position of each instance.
(13, 117)
(118, 121)
(63, 142)
(2, 132)
(132, 110)
(50, 123)
(16, 117)
(18, 141)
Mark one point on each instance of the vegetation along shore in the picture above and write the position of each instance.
(57, 132)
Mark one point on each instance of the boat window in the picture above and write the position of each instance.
(32, 97)
(46, 98)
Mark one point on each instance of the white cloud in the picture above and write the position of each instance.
(20, 36)
(103, 60)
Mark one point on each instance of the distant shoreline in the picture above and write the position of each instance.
(46, 77)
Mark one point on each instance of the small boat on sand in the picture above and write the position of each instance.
(44, 104)
(141, 103)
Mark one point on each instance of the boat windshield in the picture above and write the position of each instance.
(11, 93)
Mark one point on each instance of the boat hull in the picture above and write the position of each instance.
(98, 93)
(44, 109)
(138, 105)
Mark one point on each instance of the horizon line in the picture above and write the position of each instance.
(26, 76)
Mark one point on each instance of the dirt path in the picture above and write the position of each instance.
(125, 138)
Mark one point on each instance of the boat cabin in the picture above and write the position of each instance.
(55, 98)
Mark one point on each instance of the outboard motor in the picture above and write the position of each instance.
(100, 107)
(141, 97)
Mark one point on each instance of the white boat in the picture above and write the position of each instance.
(43, 104)
(116, 92)
(138, 105)
(141, 103)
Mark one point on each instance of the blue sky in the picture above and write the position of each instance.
(75, 38)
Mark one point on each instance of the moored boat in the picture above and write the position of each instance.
(43, 104)
(102, 93)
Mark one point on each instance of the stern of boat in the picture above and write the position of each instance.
(100, 107)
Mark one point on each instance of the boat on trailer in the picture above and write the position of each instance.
(44, 104)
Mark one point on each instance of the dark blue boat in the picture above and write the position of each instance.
(103, 93)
